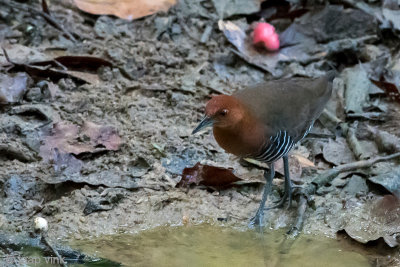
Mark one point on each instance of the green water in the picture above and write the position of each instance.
(207, 245)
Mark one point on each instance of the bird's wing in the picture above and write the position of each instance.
(290, 105)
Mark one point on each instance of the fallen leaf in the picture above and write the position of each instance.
(208, 175)
(337, 152)
(312, 37)
(78, 67)
(357, 88)
(296, 165)
(263, 59)
(126, 9)
(66, 163)
(20, 54)
(84, 76)
(387, 77)
(295, 168)
(69, 138)
(304, 162)
(83, 68)
(373, 220)
(77, 63)
(389, 180)
(13, 87)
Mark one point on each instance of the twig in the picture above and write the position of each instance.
(354, 144)
(294, 231)
(47, 243)
(45, 7)
(45, 15)
(319, 136)
(327, 177)
(55, 24)
(206, 34)
(373, 116)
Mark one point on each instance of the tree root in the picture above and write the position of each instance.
(325, 178)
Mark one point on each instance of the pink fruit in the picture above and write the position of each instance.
(264, 34)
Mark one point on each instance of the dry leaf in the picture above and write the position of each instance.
(304, 162)
(13, 87)
(337, 152)
(375, 219)
(126, 9)
(295, 168)
(208, 175)
(69, 138)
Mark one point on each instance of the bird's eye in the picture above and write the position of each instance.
(223, 112)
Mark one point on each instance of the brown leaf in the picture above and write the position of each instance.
(81, 63)
(387, 207)
(375, 219)
(69, 138)
(126, 9)
(62, 67)
(389, 180)
(106, 136)
(208, 175)
(304, 162)
(314, 36)
(82, 68)
(295, 168)
(386, 75)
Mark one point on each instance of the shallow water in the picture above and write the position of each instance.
(207, 245)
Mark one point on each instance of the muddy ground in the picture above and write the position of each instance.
(145, 105)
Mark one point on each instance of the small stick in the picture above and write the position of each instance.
(294, 231)
(354, 144)
(373, 116)
(47, 243)
(46, 16)
(206, 34)
(55, 24)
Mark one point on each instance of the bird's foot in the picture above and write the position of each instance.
(281, 202)
(257, 220)
(288, 195)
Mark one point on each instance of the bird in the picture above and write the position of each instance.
(264, 122)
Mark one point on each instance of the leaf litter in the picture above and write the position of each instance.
(165, 56)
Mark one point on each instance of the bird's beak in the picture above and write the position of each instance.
(205, 122)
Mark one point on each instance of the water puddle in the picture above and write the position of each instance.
(207, 245)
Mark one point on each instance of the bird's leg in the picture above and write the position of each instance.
(288, 187)
(288, 183)
(258, 218)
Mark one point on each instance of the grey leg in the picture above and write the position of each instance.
(258, 218)
(288, 187)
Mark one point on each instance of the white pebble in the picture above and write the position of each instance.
(41, 224)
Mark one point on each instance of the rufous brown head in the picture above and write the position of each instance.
(222, 111)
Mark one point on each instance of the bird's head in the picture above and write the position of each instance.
(222, 111)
